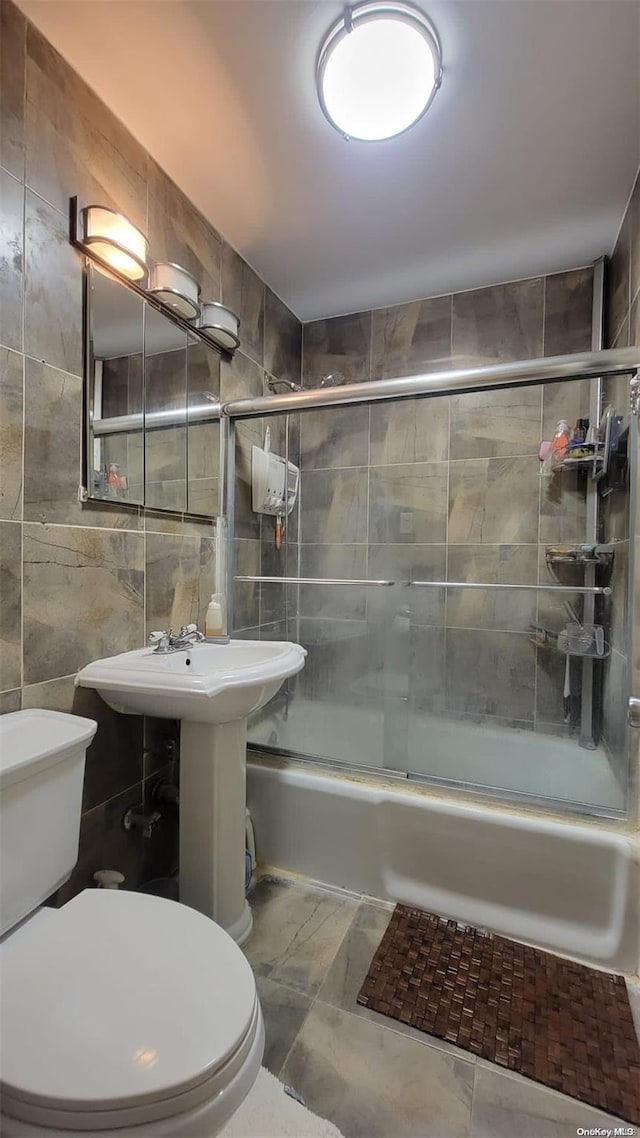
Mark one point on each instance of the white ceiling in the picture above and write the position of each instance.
(522, 165)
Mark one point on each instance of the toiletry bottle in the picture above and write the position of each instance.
(214, 620)
(560, 443)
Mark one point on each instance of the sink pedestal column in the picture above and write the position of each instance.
(212, 823)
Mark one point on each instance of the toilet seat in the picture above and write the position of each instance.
(122, 1009)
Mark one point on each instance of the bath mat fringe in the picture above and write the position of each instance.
(557, 1022)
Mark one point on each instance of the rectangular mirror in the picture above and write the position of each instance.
(153, 436)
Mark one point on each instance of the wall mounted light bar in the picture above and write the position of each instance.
(118, 246)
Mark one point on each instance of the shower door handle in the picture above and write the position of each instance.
(634, 711)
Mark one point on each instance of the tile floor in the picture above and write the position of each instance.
(310, 949)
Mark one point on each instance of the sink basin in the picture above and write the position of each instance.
(210, 683)
(212, 688)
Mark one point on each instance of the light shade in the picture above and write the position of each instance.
(176, 288)
(220, 324)
(115, 241)
(378, 70)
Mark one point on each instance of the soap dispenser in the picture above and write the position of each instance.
(215, 624)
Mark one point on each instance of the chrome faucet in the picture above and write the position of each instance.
(164, 642)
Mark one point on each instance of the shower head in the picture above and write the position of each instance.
(273, 384)
(333, 379)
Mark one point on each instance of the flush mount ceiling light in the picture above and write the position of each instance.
(176, 288)
(113, 240)
(220, 324)
(378, 69)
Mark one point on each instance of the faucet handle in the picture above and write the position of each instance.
(156, 637)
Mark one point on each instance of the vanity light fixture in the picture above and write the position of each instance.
(378, 70)
(113, 240)
(220, 324)
(176, 288)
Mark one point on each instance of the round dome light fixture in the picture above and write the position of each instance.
(378, 69)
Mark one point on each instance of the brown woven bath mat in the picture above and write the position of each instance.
(560, 1023)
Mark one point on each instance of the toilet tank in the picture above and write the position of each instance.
(42, 755)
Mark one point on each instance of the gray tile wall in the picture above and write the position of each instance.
(444, 488)
(82, 581)
(623, 667)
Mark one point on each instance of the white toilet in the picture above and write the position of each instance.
(120, 1012)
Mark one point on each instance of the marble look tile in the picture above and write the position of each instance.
(411, 338)
(179, 580)
(504, 322)
(635, 239)
(618, 283)
(490, 673)
(178, 232)
(11, 261)
(334, 505)
(104, 842)
(562, 508)
(12, 71)
(282, 339)
(407, 504)
(550, 676)
(427, 670)
(614, 700)
(505, 1105)
(10, 701)
(373, 1082)
(296, 933)
(160, 853)
(11, 608)
(246, 594)
(114, 758)
(342, 344)
(622, 339)
(161, 744)
(485, 424)
(618, 620)
(244, 293)
(496, 564)
(155, 522)
(165, 457)
(336, 561)
(83, 597)
(165, 372)
(242, 378)
(568, 302)
(402, 563)
(347, 973)
(415, 430)
(52, 443)
(284, 1012)
(337, 437)
(74, 144)
(203, 496)
(11, 406)
(568, 401)
(344, 662)
(493, 500)
(52, 289)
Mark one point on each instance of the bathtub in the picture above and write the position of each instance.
(565, 886)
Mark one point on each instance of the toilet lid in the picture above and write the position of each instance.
(119, 999)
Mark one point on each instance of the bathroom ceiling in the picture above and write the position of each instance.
(523, 164)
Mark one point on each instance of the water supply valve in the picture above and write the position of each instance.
(137, 820)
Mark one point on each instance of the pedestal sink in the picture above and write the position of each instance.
(212, 688)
